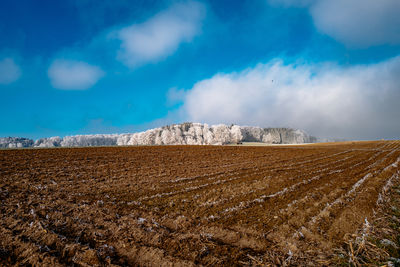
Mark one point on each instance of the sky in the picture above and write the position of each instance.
(329, 67)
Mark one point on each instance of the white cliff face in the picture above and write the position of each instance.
(177, 134)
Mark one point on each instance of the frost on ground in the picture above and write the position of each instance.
(322, 204)
(377, 243)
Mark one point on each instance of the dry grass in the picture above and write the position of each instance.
(378, 242)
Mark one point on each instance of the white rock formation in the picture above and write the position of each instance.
(177, 134)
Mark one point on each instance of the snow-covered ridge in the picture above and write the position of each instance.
(177, 134)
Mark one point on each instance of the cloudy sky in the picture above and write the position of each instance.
(329, 67)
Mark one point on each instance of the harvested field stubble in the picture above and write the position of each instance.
(188, 205)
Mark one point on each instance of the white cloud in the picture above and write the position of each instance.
(175, 96)
(73, 75)
(357, 23)
(160, 36)
(325, 100)
(9, 71)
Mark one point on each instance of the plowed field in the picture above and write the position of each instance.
(188, 205)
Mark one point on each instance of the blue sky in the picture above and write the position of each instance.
(330, 67)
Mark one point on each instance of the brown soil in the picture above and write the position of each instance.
(188, 205)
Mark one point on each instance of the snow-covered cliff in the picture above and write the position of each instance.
(177, 134)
